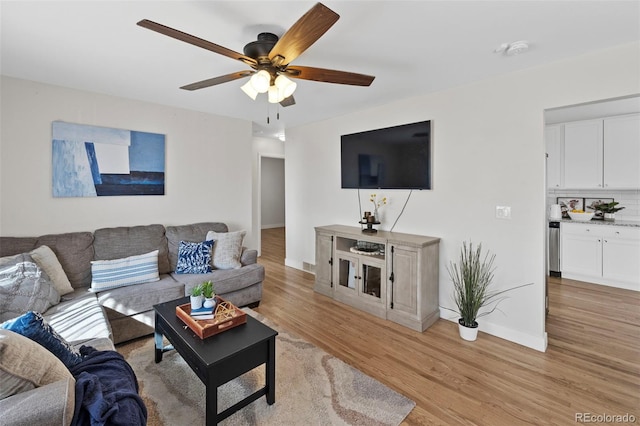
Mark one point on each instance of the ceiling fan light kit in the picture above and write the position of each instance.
(270, 57)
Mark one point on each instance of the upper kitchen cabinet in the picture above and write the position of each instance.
(622, 151)
(583, 154)
(553, 136)
(594, 154)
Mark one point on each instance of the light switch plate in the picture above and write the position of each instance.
(503, 212)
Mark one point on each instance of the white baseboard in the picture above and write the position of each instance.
(539, 343)
(294, 264)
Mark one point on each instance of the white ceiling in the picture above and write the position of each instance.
(412, 47)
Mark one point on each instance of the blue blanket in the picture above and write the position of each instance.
(106, 390)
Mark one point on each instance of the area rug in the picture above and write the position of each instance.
(312, 388)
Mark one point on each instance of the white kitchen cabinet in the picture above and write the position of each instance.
(602, 254)
(583, 154)
(554, 136)
(622, 151)
(595, 154)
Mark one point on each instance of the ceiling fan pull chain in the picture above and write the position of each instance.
(267, 113)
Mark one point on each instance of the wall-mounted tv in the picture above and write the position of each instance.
(396, 157)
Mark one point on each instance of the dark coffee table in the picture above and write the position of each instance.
(220, 358)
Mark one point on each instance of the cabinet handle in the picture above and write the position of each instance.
(618, 232)
(606, 241)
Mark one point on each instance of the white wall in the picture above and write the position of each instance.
(272, 190)
(203, 154)
(488, 150)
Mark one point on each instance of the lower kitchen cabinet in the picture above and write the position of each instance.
(388, 274)
(602, 254)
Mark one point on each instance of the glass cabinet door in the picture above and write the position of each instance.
(347, 273)
(371, 280)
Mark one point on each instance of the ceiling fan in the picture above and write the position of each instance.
(270, 58)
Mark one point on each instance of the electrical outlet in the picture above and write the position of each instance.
(503, 212)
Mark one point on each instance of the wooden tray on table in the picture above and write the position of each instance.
(225, 317)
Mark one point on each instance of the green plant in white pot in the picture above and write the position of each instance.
(472, 278)
(196, 297)
(608, 209)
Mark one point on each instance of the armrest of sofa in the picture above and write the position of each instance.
(52, 404)
(248, 256)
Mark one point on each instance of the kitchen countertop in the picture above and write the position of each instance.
(617, 222)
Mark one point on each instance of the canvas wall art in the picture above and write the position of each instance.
(91, 161)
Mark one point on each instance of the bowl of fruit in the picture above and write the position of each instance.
(580, 215)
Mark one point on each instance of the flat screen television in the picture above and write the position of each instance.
(396, 157)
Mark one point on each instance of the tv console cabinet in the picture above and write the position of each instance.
(387, 274)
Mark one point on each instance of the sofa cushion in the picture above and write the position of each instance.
(79, 317)
(227, 249)
(140, 298)
(24, 287)
(74, 251)
(224, 280)
(116, 243)
(10, 246)
(48, 261)
(33, 325)
(107, 274)
(25, 365)
(193, 232)
(194, 258)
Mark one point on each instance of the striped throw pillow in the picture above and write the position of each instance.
(108, 274)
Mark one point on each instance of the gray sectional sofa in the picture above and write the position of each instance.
(109, 317)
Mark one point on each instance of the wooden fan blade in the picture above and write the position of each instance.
(217, 80)
(329, 76)
(196, 41)
(306, 31)
(288, 101)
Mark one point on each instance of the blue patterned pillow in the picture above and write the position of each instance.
(33, 326)
(194, 258)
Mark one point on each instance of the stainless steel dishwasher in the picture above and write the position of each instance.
(554, 249)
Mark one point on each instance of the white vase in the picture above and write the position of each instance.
(468, 333)
(610, 217)
(196, 302)
(209, 302)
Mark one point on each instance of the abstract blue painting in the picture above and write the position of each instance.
(91, 161)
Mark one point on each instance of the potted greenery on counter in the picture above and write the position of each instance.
(608, 209)
(472, 278)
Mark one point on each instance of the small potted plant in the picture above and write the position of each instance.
(471, 279)
(608, 209)
(209, 294)
(196, 297)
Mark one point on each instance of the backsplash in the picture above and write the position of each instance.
(629, 199)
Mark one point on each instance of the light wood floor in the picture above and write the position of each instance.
(592, 364)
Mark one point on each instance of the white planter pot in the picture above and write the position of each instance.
(610, 216)
(209, 302)
(196, 302)
(468, 333)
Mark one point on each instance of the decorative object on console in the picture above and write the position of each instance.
(570, 203)
(471, 279)
(377, 204)
(609, 210)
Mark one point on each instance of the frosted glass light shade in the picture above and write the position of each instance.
(275, 95)
(249, 90)
(286, 86)
(261, 81)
